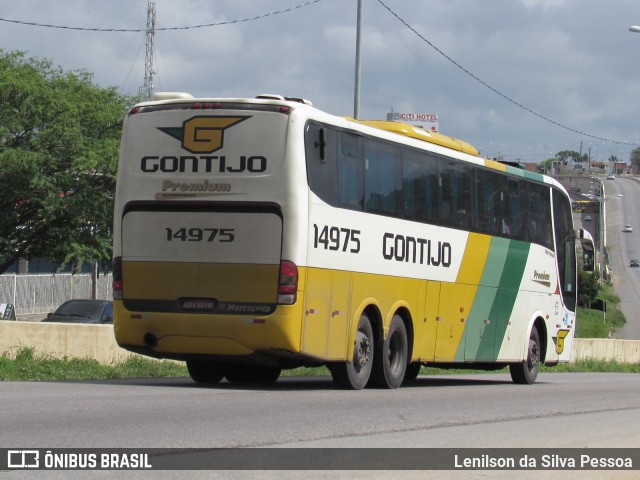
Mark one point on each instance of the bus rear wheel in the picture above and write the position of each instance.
(391, 362)
(252, 374)
(205, 372)
(525, 373)
(355, 374)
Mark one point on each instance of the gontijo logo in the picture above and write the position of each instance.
(203, 134)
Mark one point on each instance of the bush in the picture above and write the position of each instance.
(588, 287)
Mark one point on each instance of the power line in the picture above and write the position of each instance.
(509, 99)
(215, 24)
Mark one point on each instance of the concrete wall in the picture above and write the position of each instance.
(62, 340)
(97, 341)
(622, 351)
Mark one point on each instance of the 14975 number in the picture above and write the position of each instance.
(336, 238)
(196, 234)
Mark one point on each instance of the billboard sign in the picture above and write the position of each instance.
(429, 121)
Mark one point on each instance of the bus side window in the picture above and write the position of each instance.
(513, 208)
(320, 149)
(456, 194)
(413, 188)
(350, 172)
(539, 216)
(485, 200)
(382, 178)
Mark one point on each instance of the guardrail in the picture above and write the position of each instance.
(62, 340)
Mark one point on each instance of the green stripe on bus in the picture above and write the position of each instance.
(493, 268)
(514, 266)
(483, 302)
(494, 301)
(534, 176)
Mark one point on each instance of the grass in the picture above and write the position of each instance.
(597, 324)
(25, 365)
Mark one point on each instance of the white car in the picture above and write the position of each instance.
(627, 228)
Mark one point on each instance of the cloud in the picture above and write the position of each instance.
(545, 4)
(573, 61)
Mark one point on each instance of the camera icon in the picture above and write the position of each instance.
(23, 459)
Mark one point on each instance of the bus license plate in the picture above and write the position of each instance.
(198, 304)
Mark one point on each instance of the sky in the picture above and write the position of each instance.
(518, 79)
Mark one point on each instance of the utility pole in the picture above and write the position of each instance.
(147, 89)
(356, 95)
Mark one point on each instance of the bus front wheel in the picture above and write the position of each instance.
(355, 374)
(526, 372)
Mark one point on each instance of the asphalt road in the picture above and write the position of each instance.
(168, 413)
(622, 247)
(485, 410)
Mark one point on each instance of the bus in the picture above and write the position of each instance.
(253, 235)
(582, 206)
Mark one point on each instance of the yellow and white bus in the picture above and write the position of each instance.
(255, 235)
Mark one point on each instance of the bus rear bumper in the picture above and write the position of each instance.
(181, 336)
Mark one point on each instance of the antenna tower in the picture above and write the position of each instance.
(147, 89)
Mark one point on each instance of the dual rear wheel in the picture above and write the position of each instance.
(381, 363)
(211, 373)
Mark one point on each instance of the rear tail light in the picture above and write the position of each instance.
(206, 105)
(287, 283)
(117, 278)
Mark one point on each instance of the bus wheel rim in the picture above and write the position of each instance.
(362, 351)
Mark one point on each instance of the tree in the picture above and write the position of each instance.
(59, 140)
(547, 165)
(588, 287)
(566, 155)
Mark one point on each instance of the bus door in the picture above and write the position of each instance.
(425, 329)
(326, 315)
(453, 313)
